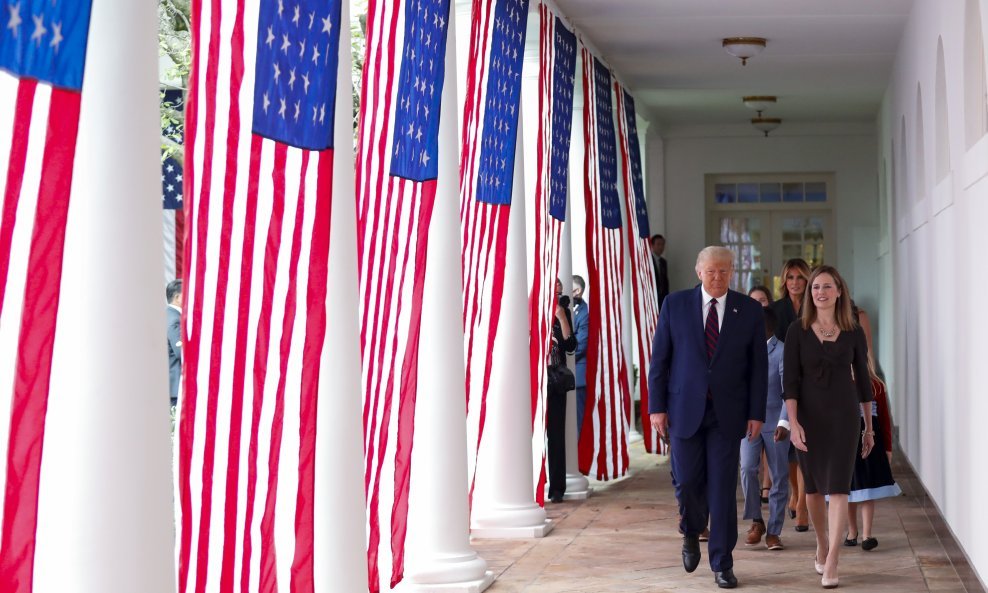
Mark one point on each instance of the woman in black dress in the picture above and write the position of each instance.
(795, 275)
(560, 381)
(827, 386)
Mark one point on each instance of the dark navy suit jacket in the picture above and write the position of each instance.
(581, 329)
(680, 375)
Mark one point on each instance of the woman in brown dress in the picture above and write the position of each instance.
(827, 385)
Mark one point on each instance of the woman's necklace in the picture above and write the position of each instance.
(826, 333)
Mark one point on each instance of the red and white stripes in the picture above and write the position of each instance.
(603, 448)
(38, 132)
(643, 289)
(393, 218)
(547, 231)
(257, 245)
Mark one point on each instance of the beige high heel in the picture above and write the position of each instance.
(829, 583)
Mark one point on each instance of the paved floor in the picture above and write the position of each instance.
(625, 538)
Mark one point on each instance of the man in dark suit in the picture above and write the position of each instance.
(173, 295)
(707, 386)
(581, 327)
(658, 246)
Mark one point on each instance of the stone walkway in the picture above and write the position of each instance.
(624, 538)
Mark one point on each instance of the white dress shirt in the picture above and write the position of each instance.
(721, 307)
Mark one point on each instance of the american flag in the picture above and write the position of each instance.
(487, 165)
(259, 183)
(397, 168)
(557, 71)
(644, 301)
(603, 446)
(42, 55)
(172, 193)
(174, 216)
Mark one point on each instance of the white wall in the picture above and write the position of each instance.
(847, 150)
(936, 233)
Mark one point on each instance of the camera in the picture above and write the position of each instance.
(564, 301)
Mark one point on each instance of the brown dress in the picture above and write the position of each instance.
(817, 374)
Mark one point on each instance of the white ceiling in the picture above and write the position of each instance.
(826, 60)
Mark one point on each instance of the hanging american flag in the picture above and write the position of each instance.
(603, 446)
(487, 165)
(557, 71)
(259, 138)
(174, 216)
(644, 302)
(42, 55)
(171, 190)
(397, 168)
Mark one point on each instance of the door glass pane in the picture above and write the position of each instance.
(743, 236)
(748, 192)
(792, 192)
(816, 192)
(803, 236)
(771, 192)
(725, 193)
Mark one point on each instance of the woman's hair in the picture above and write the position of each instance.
(842, 311)
(799, 265)
(873, 369)
(764, 289)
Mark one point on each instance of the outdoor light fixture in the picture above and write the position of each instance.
(744, 47)
(759, 103)
(765, 124)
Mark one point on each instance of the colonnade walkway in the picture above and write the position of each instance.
(624, 538)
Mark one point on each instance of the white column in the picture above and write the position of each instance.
(438, 553)
(339, 504)
(577, 485)
(105, 520)
(503, 502)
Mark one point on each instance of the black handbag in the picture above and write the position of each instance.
(561, 379)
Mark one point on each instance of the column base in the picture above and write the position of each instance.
(463, 573)
(527, 532)
(577, 487)
(475, 586)
(634, 436)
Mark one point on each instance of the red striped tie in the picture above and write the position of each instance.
(712, 330)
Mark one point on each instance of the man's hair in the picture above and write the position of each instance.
(715, 252)
(578, 280)
(656, 236)
(173, 289)
(771, 321)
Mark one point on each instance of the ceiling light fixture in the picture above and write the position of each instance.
(744, 47)
(759, 102)
(765, 124)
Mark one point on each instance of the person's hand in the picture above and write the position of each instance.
(889, 455)
(798, 436)
(560, 312)
(660, 422)
(867, 444)
(781, 434)
(754, 430)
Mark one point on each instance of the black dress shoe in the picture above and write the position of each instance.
(725, 579)
(691, 552)
(868, 544)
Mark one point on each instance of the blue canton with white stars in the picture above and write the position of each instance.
(497, 152)
(563, 80)
(295, 87)
(420, 88)
(45, 40)
(171, 184)
(610, 209)
(635, 154)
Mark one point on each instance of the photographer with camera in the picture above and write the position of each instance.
(560, 381)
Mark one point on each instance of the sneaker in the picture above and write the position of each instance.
(755, 533)
(705, 534)
(773, 542)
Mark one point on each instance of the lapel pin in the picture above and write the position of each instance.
(735, 310)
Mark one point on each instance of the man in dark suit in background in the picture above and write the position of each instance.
(707, 386)
(658, 245)
(173, 295)
(581, 328)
